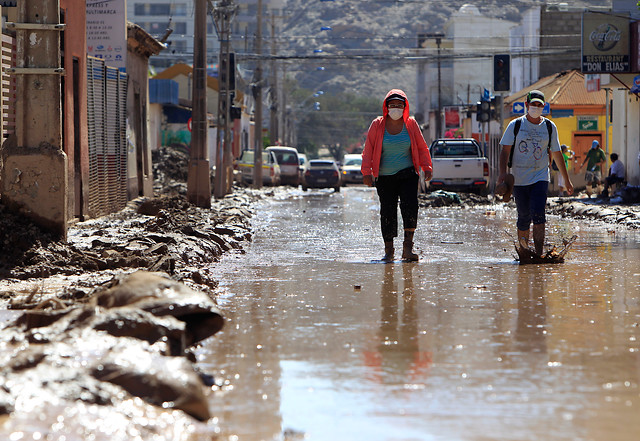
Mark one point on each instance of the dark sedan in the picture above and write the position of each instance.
(321, 173)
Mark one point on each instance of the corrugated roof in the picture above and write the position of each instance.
(565, 89)
(183, 69)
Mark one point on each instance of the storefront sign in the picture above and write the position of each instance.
(592, 82)
(605, 43)
(107, 31)
(588, 123)
(451, 117)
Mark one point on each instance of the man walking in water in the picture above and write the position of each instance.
(525, 146)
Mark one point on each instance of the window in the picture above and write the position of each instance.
(180, 9)
(160, 9)
(449, 149)
(140, 9)
(180, 28)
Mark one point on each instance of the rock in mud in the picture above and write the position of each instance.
(122, 354)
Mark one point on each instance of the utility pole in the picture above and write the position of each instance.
(223, 183)
(439, 115)
(257, 94)
(198, 178)
(273, 123)
(34, 176)
(438, 36)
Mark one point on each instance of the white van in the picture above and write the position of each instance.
(289, 162)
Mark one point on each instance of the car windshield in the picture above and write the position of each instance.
(353, 161)
(321, 164)
(285, 158)
(454, 149)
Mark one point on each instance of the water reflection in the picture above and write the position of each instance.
(398, 357)
(530, 331)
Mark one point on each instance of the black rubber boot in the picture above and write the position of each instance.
(388, 252)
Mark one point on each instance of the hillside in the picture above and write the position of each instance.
(344, 30)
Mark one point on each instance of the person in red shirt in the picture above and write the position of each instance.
(394, 153)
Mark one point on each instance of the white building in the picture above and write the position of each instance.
(466, 61)
(524, 42)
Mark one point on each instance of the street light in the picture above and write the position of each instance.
(438, 36)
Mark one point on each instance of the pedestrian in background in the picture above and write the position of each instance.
(616, 174)
(595, 159)
(567, 154)
(394, 153)
(528, 148)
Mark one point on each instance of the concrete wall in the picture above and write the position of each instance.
(139, 171)
(560, 29)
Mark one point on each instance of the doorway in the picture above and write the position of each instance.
(581, 145)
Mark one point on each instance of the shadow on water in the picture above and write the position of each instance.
(463, 345)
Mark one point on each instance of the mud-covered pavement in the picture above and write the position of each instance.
(63, 334)
(323, 342)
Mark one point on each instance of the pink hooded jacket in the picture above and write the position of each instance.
(373, 145)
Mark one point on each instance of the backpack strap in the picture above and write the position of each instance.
(516, 129)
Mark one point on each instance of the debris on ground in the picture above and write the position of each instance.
(117, 364)
(441, 198)
(597, 209)
(526, 255)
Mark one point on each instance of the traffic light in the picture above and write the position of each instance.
(502, 73)
(495, 107)
(232, 70)
(484, 111)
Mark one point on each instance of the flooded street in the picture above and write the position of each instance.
(322, 344)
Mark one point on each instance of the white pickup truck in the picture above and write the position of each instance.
(459, 165)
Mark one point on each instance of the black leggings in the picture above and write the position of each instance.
(403, 185)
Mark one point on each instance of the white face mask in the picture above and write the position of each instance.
(535, 112)
(395, 113)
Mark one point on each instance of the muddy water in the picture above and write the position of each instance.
(323, 344)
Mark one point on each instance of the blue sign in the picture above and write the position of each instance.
(519, 108)
(635, 87)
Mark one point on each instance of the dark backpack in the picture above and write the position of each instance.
(516, 129)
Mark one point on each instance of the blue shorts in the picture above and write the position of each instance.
(531, 201)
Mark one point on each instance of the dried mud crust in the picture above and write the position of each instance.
(164, 233)
(160, 234)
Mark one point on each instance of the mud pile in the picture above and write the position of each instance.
(596, 209)
(159, 234)
(116, 367)
(441, 198)
(170, 170)
(164, 233)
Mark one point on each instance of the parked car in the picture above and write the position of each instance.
(289, 162)
(459, 165)
(351, 169)
(270, 168)
(321, 173)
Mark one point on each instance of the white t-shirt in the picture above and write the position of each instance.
(530, 157)
(617, 169)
